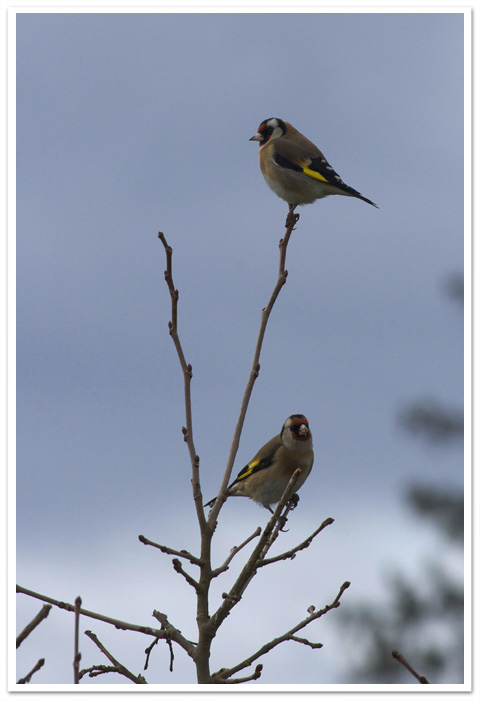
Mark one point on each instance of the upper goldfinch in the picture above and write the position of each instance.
(294, 168)
(265, 478)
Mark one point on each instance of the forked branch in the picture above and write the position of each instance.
(117, 667)
(290, 554)
(236, 549)
(289, 635)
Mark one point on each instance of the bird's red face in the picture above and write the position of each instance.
(263, 133)
(266, 129)
(298, 428)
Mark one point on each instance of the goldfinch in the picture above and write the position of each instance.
(294, 168)
(265, 478)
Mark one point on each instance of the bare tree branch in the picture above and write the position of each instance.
(77, 655)
(187, 377)
(250, 568)
(290, 554)
(121, 625)
(96, 670)
(149, 649)
(26, 679)
(118, 666)
(400, 658)
(177, 566)
(43, 613)
(255, 369)
(169, 632)
(304, 641)
(201, 654)
(240, 680)
(236, 549)
(289, 635)
(170, 551)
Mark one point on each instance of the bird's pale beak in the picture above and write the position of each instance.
(303, 431)
(257, 137)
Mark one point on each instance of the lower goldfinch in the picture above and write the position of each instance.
(265, 478)
(294, 168)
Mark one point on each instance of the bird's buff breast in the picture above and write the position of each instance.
(272, 492)
(296, 188)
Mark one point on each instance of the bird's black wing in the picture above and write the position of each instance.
(320, 169)
(254, 466)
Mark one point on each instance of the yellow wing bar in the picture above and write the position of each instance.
(314, 174)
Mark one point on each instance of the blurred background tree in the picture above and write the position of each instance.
(423, 616)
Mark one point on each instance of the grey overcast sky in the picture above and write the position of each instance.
(128, 124)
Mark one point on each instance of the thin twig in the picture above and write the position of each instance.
(304, 641)
(119, 667)
(400, 658)
(177, 566)
(290, 554)
(26, 679)
(77, 655)
(96, 670)
(149, 649)
(290, 223)
(240, 680)
(43, 613)
(289, 635)
(187, 378)
(170, 551)
(255, 369)
(236, 549)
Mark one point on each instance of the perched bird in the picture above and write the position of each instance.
(294, 168)
(265, 478)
